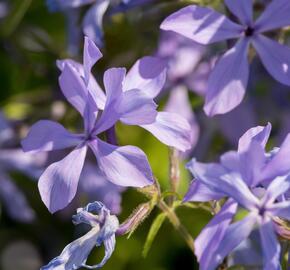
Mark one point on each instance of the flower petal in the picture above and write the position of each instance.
(228, 80)
(251, 163)
(220, 180)
(95, 90)
(279, 165)
(76, 253)
(113, 81)
(147, 74)
(93, 21)
(271, 246)
(275, 58)
(201, 24)
(243, 9)
(234, 235)
(91, 55)
(279, 186)
(281, 209)
(136, 108)
(172, 130)
(199, 192)
(73, 88)
(260, 134)
(124, 166)
(14, 200)
(276, 15)
(58, 184)
(47, 135)
(209, 239)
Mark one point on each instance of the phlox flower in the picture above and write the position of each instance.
(103, 228)
(251, 179)
(228, 80)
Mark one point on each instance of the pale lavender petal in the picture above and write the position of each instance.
(124, 166)
(209, 239)
(179, 103)
(91, 55)
(31, 164)
(201, 24)
(15, 201)
(58, 184)
(172, 130)
(243, 9)
(228, 80)
(76, 253)
(251, 163)
(234, 235)
(73, 88)
(276, 15)
(95, 90)
(279, 186)
(199, 192)
(275, 57)
(271, 246)
(260, 134)
(231, 161)
(279, 165)
(147, 74)
(93, 21)
(281, 209)
(220, 180)
(47, 135)
(113, 82)
(136, 108)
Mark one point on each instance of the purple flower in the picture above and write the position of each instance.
(125, 100)
(229, 78)
(251, 179)
(103, 228)
(92, 23)
(13, 159)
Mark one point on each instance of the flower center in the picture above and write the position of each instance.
(249, 31)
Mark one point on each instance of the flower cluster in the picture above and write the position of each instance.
(246, 191)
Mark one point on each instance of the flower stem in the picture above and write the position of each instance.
(174, 173)
(173, 218)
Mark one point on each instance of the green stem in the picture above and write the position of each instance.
(173, 218)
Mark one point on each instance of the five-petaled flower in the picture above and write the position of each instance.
(103, 229)
(252, 179)
(129, 98)
(229, 78)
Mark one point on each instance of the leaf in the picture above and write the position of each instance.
(155, 226)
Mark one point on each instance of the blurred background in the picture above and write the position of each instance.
(33, 35)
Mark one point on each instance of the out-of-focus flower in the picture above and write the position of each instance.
(252, 179)
(92, 24)
(229, 78)
(103, 228)
(13, 159)
(94, 184)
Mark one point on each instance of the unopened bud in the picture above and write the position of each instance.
(135, 219)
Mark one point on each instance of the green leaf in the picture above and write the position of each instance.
(155, 226)
(15, 17)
